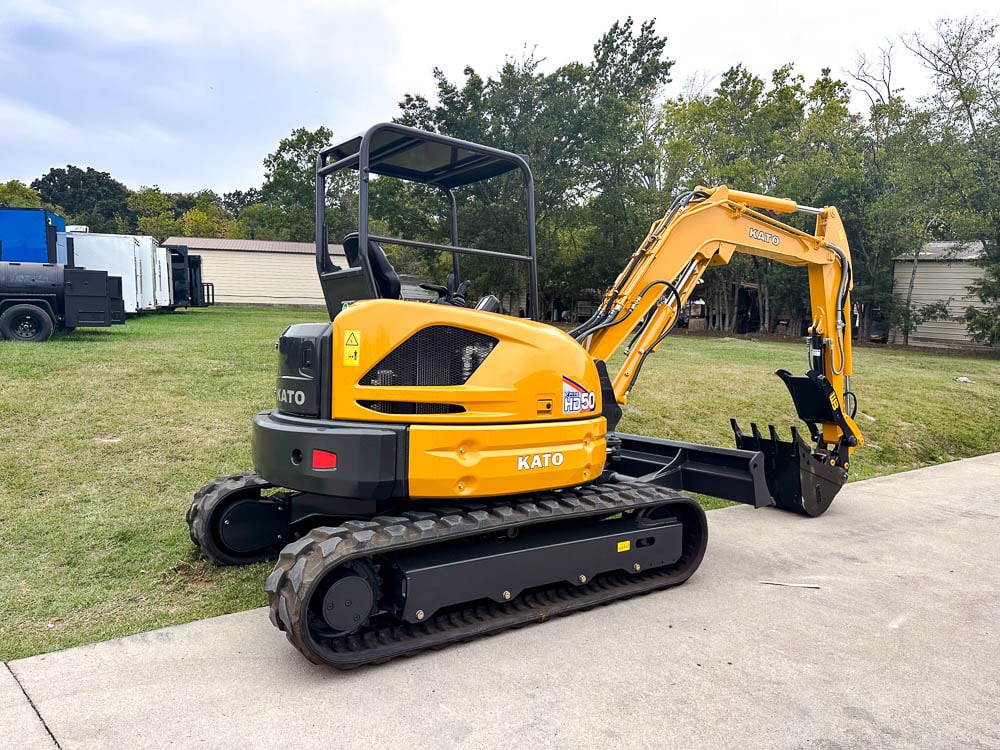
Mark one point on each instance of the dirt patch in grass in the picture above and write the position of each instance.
(189, 576)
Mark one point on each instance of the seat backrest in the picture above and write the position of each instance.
(386, 279)
(489, 303)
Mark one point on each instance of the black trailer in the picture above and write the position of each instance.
(188, 288)
(39, 298)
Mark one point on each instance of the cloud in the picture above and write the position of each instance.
(21, 123)
(200, 92)
(195, 94)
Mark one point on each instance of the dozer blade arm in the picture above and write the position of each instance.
(759, 471)
(727, 473)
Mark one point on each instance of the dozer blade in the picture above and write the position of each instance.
(726, 473)
(797, 479)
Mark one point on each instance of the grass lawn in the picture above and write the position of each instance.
(106, 433)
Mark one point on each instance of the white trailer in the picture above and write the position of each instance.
(163, 286)
(130, 256)
(145, 263)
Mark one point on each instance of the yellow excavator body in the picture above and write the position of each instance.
(519, 412)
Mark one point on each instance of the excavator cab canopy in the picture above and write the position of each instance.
(404, 153)
(445, 162)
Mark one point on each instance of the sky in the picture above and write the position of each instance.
(194, 95)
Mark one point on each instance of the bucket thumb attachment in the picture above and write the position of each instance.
(797, 479)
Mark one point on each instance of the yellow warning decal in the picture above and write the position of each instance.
(624, 546)
(352, 348)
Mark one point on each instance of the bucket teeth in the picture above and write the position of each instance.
(771, 445)
(796, 479)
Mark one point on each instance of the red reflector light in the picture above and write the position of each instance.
(324, 459)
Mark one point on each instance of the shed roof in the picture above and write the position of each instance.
(948, 251)
(250, 246)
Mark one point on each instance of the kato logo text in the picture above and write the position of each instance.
(539, 461)
(757, 234)
(289, 396)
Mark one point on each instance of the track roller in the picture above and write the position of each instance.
(232, 523)
(347, 600)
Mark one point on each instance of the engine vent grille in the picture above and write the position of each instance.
(411, 407)
(439, 355)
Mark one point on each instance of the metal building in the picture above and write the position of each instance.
(270, 272)
(260, 272)
(941, 272)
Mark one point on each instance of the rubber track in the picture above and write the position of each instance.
(206, 500)
(305, 562)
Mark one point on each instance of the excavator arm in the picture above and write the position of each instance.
(706, 228)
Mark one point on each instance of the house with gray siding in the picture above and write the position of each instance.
(940, 272)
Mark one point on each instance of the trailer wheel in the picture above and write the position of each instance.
(25, 323)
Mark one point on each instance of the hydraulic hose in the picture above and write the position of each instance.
(599, 320)
(659, 339)
(631, 309)
(845, 278)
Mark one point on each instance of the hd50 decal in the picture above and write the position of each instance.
(576, 398)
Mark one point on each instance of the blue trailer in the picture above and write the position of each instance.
(33, 235)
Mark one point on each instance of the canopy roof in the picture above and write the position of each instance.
(408, 154)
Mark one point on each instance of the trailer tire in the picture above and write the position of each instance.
(25, 323)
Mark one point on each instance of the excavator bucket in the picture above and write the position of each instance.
(797, 479)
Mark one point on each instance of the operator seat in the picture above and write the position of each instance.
(489, 303)
(384, 276)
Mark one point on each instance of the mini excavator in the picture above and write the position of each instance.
(433, 472)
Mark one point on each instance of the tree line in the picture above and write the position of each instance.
(609, 150)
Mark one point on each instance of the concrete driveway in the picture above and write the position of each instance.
(898, 647)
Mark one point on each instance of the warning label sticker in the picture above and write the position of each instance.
(576, 398)
(352, 348)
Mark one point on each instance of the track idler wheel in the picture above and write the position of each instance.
(232, 523)
(346, 599)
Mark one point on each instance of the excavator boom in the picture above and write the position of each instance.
(706, 228)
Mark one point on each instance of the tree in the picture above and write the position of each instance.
(87, 196)
(621, 162)
(15, 194)
(206, 217)
(252, 223)
(290, 183)
(155, 211)
(586, 128)
(752, 135)
(983, 323)
(519, 110)
(901, 198)
(234, 202)
(205, 222)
